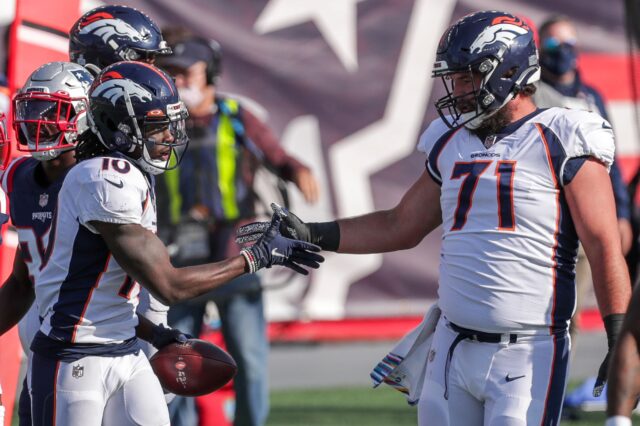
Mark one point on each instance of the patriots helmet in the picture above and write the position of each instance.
(132, 105)
(50, 110)
(114, 33)
(497, 45)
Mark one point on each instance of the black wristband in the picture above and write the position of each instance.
(325, 234)
(613, 327)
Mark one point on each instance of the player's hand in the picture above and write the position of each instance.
(307, 184)
(613, 327)
(272, 248)
(291, 226)
(163, 336)
(601, 380)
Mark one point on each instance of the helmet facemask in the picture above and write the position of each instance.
(158, 154)
(48, 124)
(472, 108)
(143, 55)
(5, 143)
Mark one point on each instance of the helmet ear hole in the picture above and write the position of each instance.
(510, 72)
(121, 141)
(111, 125)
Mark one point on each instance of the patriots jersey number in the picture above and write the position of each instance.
(470, 172)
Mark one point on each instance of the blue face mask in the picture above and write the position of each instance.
(558, 58)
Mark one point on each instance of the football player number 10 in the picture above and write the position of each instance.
(470, 173)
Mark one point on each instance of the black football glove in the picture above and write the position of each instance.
(274, 249)
(163, 336)
(325, 234)
(613, 327)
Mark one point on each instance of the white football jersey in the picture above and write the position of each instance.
(83, 294)
(509, 245)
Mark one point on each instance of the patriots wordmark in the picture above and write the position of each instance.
(109, 28)
(503, 33)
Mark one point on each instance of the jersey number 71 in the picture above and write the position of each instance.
(471, 171)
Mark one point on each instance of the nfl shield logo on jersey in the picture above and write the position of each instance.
(44, 200)
(78, 371)
(489, 141)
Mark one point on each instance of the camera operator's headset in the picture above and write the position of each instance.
(214, 64)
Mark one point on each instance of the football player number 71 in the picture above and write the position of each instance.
(470, 172)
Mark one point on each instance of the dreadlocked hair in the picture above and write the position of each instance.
(89, 146)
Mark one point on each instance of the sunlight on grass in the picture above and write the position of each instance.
(359, 406)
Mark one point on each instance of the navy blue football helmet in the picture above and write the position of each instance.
(498, 46)
(131, 104)
(110, 34)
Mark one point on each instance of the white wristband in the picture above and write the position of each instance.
(1, 414)
(618, 421)
(248, 257)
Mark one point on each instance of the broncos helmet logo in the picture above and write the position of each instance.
(502, 33)
(109, 27)
(114, 89)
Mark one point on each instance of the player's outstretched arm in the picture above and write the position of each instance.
(16, 295)
(145, 258)
(624, 369)
(402, 227)
(590, 199)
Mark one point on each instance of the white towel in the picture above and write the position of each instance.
(404, 367)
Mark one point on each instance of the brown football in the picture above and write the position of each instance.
(193, 368)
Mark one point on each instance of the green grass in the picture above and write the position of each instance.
(358, 406)
(355, 407)
(343, 406)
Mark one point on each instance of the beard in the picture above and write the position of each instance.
(494, 124)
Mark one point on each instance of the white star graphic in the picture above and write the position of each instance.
(352, 168)
(335, 19)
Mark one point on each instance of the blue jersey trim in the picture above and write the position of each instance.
(564, 258)
(571, 168)
(69, 352)
(557, 380)
(90, 258)
(556, 152)
(43, 389)
(565, 249)
(432, 160)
